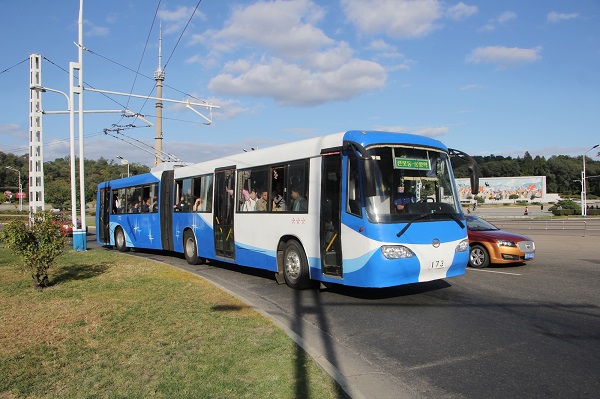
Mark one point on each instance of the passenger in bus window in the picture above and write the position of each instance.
(261, 203)
(145, 207)
(278, 200)
(178, 207)
(250, 203)
(136, 204)
(117, 204)
(299, 204)
(199, 205)
(184, 205)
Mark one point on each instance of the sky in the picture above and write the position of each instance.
(493, 77)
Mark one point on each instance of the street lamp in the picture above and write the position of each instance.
(124, 162)
(583, 185)
(43, 89)
(20, 188)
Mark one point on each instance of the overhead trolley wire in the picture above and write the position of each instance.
(16, 65)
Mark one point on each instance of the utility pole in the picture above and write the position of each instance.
(159, 76)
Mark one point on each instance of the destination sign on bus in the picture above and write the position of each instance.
(406, 163)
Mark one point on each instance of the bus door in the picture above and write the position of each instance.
(330, 239)
(103, 230)
(165, 202)
(224, 210)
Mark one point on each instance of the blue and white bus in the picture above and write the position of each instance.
(359, 208)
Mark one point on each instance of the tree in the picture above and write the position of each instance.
(38, 245)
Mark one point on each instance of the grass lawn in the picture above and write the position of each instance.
(115, 326)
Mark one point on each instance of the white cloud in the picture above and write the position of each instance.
(505, 57)
(461, 11)
(330, 59)
(178, 18)
(556, 17)
(396, 18)
(427, 131)
(506, 17)
(289, 59)
(286, 27)
(95, 30)
(238, 66)
(291, 84)
(430, 131)
(503, 19)
(12, 129)
(381, 45)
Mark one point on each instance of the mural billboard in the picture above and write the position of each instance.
(501, 188)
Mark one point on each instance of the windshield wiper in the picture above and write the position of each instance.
(424, 215)
(453, 217)
(415, 218)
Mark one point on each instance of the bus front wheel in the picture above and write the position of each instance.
(120, 242)
(190, 249)
(295, 266)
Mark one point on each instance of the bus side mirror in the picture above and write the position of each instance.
(473, 168)
(474, 176)
(369, 169)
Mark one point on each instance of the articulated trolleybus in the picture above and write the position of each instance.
(360, 208)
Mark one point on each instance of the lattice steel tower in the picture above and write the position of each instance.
(159, 76)
(36, 150)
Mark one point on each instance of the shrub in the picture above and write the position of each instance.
(565, 207)
(38, 244)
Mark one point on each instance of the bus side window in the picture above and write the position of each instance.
(297, 187)
(353, 188)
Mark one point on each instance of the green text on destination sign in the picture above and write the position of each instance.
(405, 163)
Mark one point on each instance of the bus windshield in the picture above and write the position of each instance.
(411, 183)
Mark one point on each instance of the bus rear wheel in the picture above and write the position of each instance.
(190, 249)
(295, 266)
(120, 241)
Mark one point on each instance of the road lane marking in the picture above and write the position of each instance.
(493, 271)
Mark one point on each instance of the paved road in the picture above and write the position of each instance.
(526, 331)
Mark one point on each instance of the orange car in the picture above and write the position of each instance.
(488, 244)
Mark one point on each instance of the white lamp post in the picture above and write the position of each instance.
(583, 185)
(124, 162)
(45, 89)
(20, 188)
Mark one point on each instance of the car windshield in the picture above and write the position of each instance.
(411, 183)
(478, 224)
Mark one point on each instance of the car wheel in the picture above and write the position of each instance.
(120, 242)
(190, 249)
(479, 257)
(295, 266)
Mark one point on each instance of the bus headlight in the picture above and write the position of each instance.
(462, 246)
(396, 252)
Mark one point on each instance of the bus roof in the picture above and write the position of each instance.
(308, 148)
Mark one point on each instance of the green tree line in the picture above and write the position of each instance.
(563, 173)
(57, 177)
